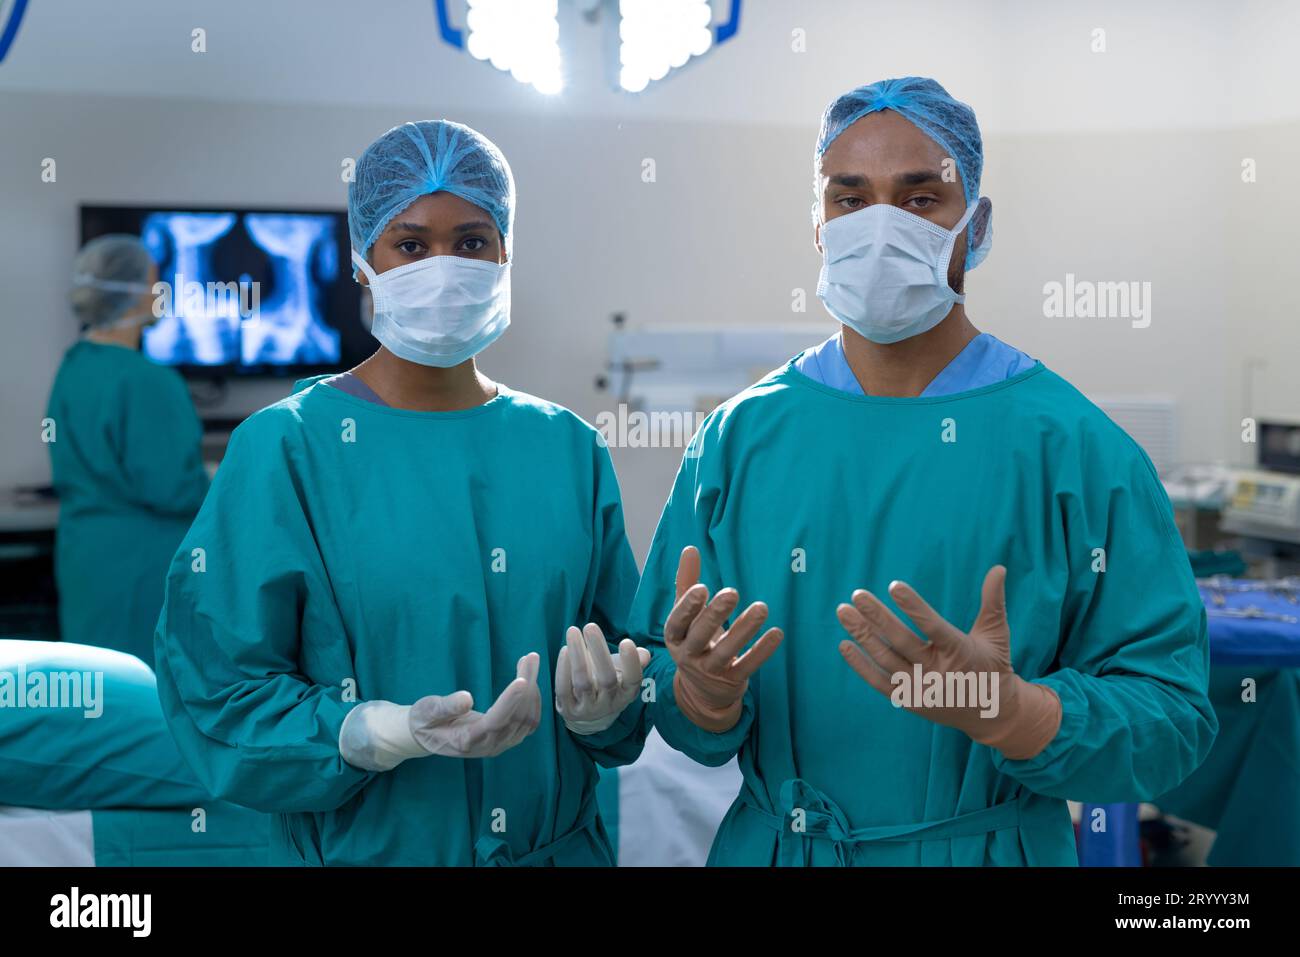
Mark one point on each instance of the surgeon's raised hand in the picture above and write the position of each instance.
(449, 727)
(712, 673)
(592, 687)
(1019, 719)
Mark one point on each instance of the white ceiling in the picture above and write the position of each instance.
(1025, 65)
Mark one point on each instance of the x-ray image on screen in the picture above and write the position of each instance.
(247, 290)
(203, 332)
(289, 328)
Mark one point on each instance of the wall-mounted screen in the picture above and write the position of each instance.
(246, 291)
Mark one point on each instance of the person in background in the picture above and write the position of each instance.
(913, 468)
(390, 556)
(125, 455)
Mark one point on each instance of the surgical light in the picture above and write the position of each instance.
(656, 36)
(521, 37)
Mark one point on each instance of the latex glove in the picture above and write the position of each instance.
(380, 735)
(592, 687)
(712, 674)
(1028, 715)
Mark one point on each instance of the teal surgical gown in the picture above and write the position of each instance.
(797, 494)
(1248, 789)
(349, 551)
(129, 475)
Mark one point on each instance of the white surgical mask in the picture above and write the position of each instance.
(439, 311)
(144, 318)
(885, 273)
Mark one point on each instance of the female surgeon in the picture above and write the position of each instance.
(355, 624)
(124, 451)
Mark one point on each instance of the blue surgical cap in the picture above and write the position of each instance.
(431, 156)
(108, 276)
(927, 106)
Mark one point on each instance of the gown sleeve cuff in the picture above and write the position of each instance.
(624, 727)
(709, 748)
(1048, 765)
(330, 715)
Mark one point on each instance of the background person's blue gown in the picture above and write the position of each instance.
(128, 471)
(426, 556)
(864, 491)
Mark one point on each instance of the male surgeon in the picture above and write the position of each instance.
(978, 602)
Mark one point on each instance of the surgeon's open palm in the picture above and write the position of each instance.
(712, 673)
(448, 725)
(1026, 714)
